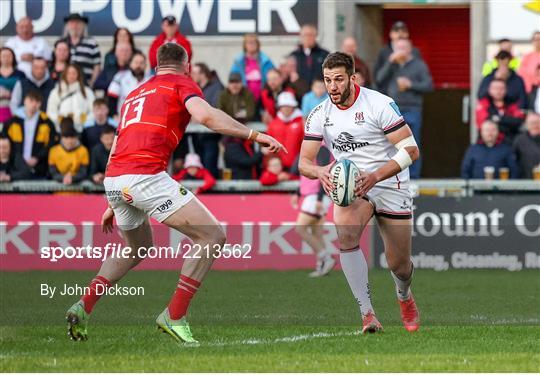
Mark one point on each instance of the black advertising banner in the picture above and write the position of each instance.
(143, 17)
(499, 231)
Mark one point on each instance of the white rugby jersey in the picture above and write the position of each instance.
(122, 84)
(358, 133)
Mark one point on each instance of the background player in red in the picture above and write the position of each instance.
(153, 120)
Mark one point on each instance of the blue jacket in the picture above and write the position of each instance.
(479, 156)
(310, 101)
(239, 66)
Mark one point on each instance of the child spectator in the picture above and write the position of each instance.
(9, 76)
(194, 170)
(90, 136)
(241, 158)
(236, 100)
(313, 98)
(32, 134)
(12, 165)
(288, 127)
(68, 160)
(100, 154)
(507, 116)
(274, 174)
(488, 152)
(71, 98)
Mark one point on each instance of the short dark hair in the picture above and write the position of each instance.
(503, 55)
(34, 95)
(204, 69)
(100, 101)
(171, 54)
(504, 40)
(137, 53)
(67, 127)
(108, 129)
(339, 59)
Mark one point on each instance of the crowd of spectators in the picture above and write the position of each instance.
(59, 107)
(507, 116)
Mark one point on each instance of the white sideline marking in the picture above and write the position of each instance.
(253, 341)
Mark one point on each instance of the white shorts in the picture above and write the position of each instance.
(309, 205)
(133, 197)
(391, 202)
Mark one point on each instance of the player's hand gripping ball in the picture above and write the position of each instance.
(343, 175)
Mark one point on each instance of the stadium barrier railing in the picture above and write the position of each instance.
(433, 187)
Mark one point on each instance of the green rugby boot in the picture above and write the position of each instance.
(77, 320)
(178, 329)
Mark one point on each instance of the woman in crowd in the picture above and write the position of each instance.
(252, 65)
(60, 59)
(71, 98)
(121, 35)
(9, 75)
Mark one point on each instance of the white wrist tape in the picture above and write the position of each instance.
(402, 157)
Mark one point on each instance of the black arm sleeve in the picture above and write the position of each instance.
(57, 176)
(81, 174)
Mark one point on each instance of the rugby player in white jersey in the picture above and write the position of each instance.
(367, 128)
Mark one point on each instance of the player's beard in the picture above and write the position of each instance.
(344, 97)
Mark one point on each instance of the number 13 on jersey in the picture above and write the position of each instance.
(135, 107)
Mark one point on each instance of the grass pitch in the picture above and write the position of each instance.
(278, 321)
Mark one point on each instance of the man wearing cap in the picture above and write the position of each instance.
(288, 127)
(26, 46)
(398, 31)
(170, 34)
(236, 100)
(84, 50)
(515, 87)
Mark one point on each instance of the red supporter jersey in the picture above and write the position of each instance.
(153, 121)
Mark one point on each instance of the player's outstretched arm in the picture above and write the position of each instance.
(407, 153)
(222, 123)
(308, 167)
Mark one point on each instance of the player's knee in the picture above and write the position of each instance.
(400, 267)
(218, 236)
(348, 239)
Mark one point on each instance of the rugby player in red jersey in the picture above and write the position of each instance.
(153, 120)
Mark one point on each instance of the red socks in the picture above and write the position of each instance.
(185, 290)
(95, 292)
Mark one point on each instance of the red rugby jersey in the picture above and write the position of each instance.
(153, 120)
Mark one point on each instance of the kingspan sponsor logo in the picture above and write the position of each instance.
(345, 142)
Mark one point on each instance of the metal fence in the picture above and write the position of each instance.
(447, 187)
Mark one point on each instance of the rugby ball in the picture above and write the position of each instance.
(343, 175)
